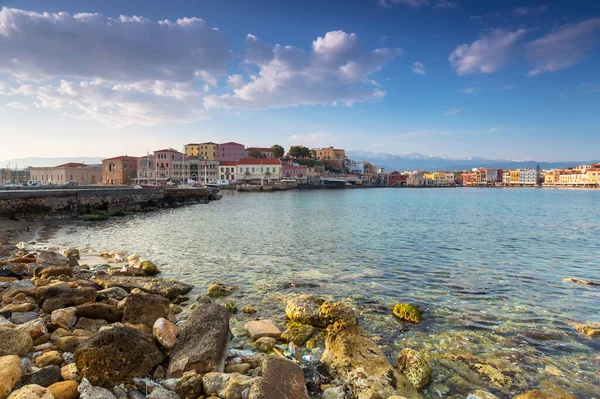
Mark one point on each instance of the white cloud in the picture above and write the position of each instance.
(445, 5)
(121, 105)
(409, 3)
(469, 90)
(17, 105)
(92, 46)
(487, 54)
(337, 70)
(313, 139)
(451, 111)
(418, 68)
(523, 11)
(563, 47)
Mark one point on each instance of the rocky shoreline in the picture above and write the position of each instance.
(115, 330)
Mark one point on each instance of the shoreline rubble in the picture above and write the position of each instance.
(68, 330)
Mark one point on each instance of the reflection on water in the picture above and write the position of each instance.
(486, 266)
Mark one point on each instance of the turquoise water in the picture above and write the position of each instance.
(485, 265)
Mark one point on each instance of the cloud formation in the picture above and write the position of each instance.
(451, 111)
(523, 11)
(92, 46)
(312, 139)
(469, 90)
(418, 68)
(486, 55)
(337, 70)
(563, 47)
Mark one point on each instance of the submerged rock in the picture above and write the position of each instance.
(414, 366)
(354, 358)
(221, 289)
(117, 355)
(202, 344)
(408, 312)
(537, 394)
(590, 329)
(167, 288)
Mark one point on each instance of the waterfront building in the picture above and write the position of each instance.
(69, 172)
(529, 177)
(165, 161)
(418, 179)
(227, 170)
(330, 154)
(192, 168)
(230, 152)
(369, 172)
(594, 175)
(258, 170)
(259, 152)
(397, 179)
(291, 170)
(120, 170)
(206, 150)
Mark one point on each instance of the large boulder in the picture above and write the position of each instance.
(52, 258)
(14, 342)
(10, 372)
(159, 286)
(202, 345)
(98, 310)
(145, 309)
(351, 356)
(314, 311)
(281, 379)
(117, 355)
(62, 295)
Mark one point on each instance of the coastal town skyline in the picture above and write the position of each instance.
(504, 80)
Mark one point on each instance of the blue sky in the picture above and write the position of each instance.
(504, 79)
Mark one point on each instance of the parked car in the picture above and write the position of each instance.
(34, 183)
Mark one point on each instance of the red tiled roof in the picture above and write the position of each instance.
(122, 157)
(258, 161)
(227, 163)
(71, 165)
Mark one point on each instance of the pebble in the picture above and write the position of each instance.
(10, 373)
(64, 390)
(88, 391)
(262, 328)
(31, 392)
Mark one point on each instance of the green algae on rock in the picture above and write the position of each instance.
(149, 267)
(297, 333)
(408, 312)
(414, 366)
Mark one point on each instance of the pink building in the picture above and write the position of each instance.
(168, 164)
(230, 152)
(294, 171)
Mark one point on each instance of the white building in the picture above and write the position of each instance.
(258, 170)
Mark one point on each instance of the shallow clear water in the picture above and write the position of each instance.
(485, 265)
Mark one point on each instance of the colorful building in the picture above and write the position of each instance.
(120, 170)
(69, 172)
(230, 152)
(146, 169)
(329, 154)
(258, 170)
(227, 170)
(396, 179)
(294, 171)
(192, 150)
(165, 161)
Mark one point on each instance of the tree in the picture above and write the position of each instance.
(277, 151)
(299, 151)
(256, 154)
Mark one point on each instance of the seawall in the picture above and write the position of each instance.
(41, 204)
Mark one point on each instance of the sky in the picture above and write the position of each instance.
(497, 79)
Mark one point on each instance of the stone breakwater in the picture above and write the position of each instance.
(114, 330)
(35, 204)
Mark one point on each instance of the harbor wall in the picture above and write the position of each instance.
(39, 204)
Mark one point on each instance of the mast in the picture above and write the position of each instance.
(205, 181)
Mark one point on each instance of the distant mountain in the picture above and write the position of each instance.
(32, 161)
(415, 161)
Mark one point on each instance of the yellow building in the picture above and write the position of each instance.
(593, 176)
(330, 153)
(192, 150)
(208, 150)
(514, 176)
(552, 177)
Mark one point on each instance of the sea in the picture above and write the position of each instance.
(488, 267)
